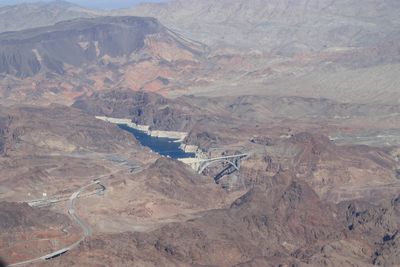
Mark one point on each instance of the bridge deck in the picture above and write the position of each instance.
(224, 157)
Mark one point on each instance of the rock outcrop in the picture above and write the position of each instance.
(74, 43)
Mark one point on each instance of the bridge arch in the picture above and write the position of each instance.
(207, 164)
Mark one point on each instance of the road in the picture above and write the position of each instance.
(74, 216)
(43, 202)
(71, 209)
(224, 157)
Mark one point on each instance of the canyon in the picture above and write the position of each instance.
(289, 111)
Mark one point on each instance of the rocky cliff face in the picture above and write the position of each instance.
(73, 43)
(143, 108)
(33, 129)
(86, 55)
(379, 225)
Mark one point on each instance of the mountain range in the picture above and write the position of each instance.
(280, 26)
(331, 49)
(30, 15)
(89, 54)
(291, 107)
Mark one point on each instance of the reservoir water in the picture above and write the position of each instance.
(163, 146)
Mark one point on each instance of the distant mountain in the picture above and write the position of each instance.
(338, 49)
(93, 54)
(74, 43)
(273, 25)
(283, 25)
(30, 15)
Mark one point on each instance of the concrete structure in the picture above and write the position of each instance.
(201, 164)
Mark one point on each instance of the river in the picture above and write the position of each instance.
(163, 146)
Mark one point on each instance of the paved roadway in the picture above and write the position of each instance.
(224, 157)
(55, 199)
(74, 216)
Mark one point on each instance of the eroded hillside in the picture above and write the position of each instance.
(291, 109)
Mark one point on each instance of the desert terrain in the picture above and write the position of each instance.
(290, 108)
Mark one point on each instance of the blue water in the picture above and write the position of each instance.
(163, 146)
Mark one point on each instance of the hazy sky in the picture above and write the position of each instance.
(103, 4)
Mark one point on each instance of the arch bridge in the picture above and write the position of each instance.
(231, 164)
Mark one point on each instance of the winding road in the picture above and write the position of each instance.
(74, 216)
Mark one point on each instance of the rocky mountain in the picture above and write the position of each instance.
(16, 215)
(329, 49)
(204, 116)
(39, 144)
(320, 48)
(26, 126)
(31, 15)
(73, 43)
(299, 199)
(78, 56)
(282, 222)
(285, 26)
(307, 90)
(279, 25)
(142, 107)
(46, 152)
(20, 221)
